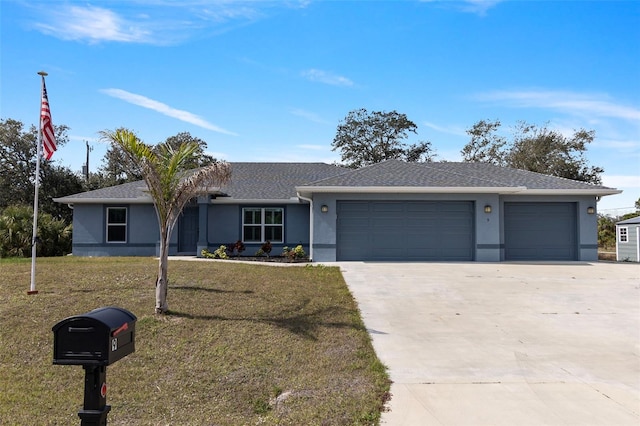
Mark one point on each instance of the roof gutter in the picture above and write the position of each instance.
(453, 190)
(310, 201)
(594, 191)
(230, 200)
(72, 200)
(410, 189)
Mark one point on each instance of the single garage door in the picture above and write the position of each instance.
(405, 230)
(540, 231)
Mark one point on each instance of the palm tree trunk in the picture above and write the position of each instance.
(162, 282)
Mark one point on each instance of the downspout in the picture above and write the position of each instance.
(310, 224)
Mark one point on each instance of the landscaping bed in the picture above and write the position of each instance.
(272, 259)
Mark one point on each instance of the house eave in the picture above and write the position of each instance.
(409, 189)
(523, 190)
(595, 191)
(71, 200)
(230, 200)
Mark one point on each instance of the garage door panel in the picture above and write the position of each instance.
(382, 207)
(355, 222)
(386, 222)
(356, 206)
(413, 230)
(540, 231)
(421, 207)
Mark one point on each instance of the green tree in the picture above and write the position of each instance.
(200, 158)
(18, 150)
(171, 185)
(606, 231)
(57, 182)
(365, 138)
(533, 148)
(632, 214)
(486, 145)
(118, 168)
(16, 227)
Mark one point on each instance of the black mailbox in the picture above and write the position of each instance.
(99, 337)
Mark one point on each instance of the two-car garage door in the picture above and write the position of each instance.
(405, 230)
(445, 231)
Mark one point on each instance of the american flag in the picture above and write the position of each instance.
(48, 137)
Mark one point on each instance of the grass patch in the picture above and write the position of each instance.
(242, 345)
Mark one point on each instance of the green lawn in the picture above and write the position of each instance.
(238, 337)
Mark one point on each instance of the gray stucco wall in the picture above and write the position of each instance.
(224, 226)
(489, 238)
(89, 231)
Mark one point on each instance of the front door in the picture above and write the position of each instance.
(188, 230)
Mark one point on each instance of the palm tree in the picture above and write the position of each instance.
(171, 185)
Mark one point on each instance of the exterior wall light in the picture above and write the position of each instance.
(324, 208)
(591, 210)
(487, 208)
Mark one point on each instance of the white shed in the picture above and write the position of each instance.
(628, 240)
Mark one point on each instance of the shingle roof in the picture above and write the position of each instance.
(395, 173)
(249, 181)
(631, 221)
(275, 181)
(280, 181)
(126, 191)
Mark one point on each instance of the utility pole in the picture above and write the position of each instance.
(85, 168)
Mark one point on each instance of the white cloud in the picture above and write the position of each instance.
(479, 7)
(326, 77)
(155, 22)
(165, 109)
(442, 129)
(621, 181)
(91, 23)
(563, 101)
(621, 145)
(311, 116)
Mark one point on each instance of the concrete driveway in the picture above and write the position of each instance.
(505, 343)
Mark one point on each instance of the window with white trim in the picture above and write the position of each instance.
(623, 235)
(116, 224)
(263, 224)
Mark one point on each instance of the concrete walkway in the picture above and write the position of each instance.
(505, 343)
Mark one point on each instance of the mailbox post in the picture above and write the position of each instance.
(95, 408)
(94, 340)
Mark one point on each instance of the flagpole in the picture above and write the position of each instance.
(34, 239)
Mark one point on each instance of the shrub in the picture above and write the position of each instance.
(296, 253)
(238, 247)
(265, 248)
(16, 228)
(219, 253)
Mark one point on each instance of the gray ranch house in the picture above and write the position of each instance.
(388, 211)
(628, 240)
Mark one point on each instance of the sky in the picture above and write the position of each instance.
(271, 80)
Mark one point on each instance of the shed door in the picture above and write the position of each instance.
(405, 230)
(540, 231)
